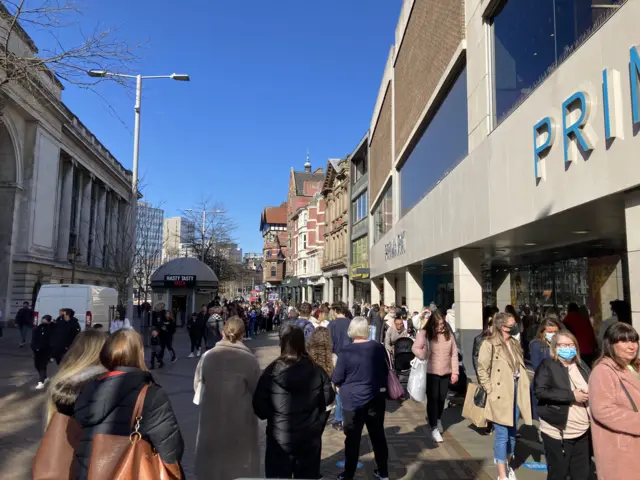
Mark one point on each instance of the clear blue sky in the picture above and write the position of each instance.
(269, 80)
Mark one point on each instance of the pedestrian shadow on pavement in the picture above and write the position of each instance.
(412, 455)
(528, 445)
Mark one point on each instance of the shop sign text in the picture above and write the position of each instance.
(395, 247)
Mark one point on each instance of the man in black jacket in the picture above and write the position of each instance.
(41, 346)
(197, 331)
(376, 321)
(24, 320)
(63, 334)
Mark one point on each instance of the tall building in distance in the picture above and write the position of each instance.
(149, 236)
(178, 238)
(273, 226)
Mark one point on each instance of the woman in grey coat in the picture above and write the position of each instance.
(227, 443)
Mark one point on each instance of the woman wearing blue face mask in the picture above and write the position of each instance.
(539, 349)
(562, 391)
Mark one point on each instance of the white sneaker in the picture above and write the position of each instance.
(199, 352)
(511, 473)
(40, 386)
(191, 355)
(440, 427)
(435, 434)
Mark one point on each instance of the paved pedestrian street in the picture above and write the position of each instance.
(465, 454)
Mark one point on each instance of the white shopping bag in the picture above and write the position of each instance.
(417, 385)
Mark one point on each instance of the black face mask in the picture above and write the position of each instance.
(514, 330)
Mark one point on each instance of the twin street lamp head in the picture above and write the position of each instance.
(180, 77)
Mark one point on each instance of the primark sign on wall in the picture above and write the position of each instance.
(576, 127)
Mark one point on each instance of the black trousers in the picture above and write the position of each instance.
(41, 360)
(371, 415)
(437, 388)
(304, 464)
(167, 343)
(196, 340)
(574, 461)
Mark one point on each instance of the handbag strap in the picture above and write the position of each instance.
(491, 363)
(633, 404)
(137, 410)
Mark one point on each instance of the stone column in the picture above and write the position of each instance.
(467, 281)
(304, 294)
(352, 292)
(78, 222)
(64, 215)
(632, 220)
(100, 228)
(331, 299)
(375, 291)
(85, 219)
(502, 281)
(345, 289)
(310, 294)
(389, 289)
(415, 296)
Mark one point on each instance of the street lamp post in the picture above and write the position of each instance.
(136, 152)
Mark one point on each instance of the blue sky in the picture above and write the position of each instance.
(270, 79)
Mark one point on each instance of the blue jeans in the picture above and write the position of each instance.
(337, 413)
(252, 327)
(504, 444)
(24, 330)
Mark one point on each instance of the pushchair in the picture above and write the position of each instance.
(402, 356)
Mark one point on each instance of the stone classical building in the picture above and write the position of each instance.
(335, 259)
(308, 244)
(64, 199)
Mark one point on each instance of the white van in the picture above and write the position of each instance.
(93, 304)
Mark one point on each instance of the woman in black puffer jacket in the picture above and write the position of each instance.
(106, 405)
(293, 394)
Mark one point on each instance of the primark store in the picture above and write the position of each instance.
(505, 158)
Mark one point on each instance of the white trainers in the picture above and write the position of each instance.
(511, 473)
(199, 352)
(40, 386)
(435, 434)
(191, 355)
(440, 427)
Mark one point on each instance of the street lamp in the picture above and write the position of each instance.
(204, 228)
(181, 77)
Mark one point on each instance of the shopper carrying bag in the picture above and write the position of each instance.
(417, 385)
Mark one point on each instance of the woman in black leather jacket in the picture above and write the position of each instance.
(561, 388)
(106, 405)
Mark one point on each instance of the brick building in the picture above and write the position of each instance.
(335, 262)
(273, 226)
(307, 248)
(302, 188)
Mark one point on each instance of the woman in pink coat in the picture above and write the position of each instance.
(614, 397)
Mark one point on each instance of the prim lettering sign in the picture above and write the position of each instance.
(179, 281)
(576, 110)
(395, 247)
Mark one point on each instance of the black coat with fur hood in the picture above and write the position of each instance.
(65, 394)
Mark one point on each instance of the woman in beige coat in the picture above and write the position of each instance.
(503, 375)
(614, 398)
(227, 443)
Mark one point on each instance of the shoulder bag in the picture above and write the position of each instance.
(56, 456)
(116, 457)
(480, 397)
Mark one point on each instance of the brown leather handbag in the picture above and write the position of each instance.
(56, 456)
(115, 457)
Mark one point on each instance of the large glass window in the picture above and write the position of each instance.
(359, 208)
(530, 37)
(360, 251)
(442, 145)
(383, 215)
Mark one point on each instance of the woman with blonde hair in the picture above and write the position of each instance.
(503, 375)
(106, 405)
(228, 374)
(561, 388)
(80, 365)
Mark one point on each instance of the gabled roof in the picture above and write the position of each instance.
(274, 216)
(335, 166)
(301, 177)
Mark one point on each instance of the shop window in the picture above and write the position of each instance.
(443, 144)
(383, 215)
(532, 38)
(359, 208)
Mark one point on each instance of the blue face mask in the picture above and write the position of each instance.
(549, 336)
(567, 353)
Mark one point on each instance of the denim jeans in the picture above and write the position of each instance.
(252, 327)
(337, 413)
(504, 444)
(24, 330)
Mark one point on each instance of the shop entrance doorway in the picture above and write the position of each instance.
(179, 309)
